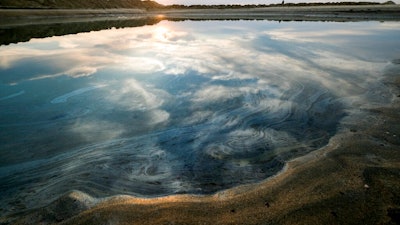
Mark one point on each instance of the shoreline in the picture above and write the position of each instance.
(303, 13)
(345, 13)
(18, 25)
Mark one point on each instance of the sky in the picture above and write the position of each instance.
(244, 2)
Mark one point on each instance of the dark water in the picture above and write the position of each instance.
(178, 107)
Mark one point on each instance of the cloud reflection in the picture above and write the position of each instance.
(181, 109)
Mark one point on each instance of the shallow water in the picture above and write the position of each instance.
(179, 107)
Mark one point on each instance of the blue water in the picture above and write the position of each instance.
(178, 107)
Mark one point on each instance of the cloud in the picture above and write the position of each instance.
(132, 95)
(198, 117)
(215, 94)
(93, 130)
(77, 55)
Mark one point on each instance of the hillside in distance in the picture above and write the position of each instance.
(78, 4)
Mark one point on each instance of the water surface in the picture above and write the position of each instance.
(179, 107)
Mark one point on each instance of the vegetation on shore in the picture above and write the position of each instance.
(149, 4)
(78, 4)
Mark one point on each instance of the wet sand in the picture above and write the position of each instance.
(355, 179)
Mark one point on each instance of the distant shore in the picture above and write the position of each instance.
(19, 25)
(306, 13)
(309, 13)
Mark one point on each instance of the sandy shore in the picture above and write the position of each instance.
(306, 13)
(355, 179)
(312, 13)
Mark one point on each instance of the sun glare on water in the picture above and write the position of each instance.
(161, 33)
